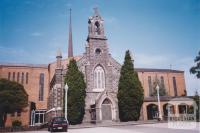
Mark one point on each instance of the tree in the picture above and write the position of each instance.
(76, 93)
(130, 92)
(196, 69)
(13, 97)
(162, 90)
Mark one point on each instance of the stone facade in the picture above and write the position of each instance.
(97, 54)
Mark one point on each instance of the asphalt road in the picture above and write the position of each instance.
(146, 128)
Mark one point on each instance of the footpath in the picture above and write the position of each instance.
(110, 124)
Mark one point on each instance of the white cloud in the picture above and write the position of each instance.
(144, 60)
(37, 34)
(110, 19)
(11, 51)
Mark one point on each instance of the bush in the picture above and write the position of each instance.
(16, 123)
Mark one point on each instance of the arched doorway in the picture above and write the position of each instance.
(168, 109)
(152, 111)
(106, 109)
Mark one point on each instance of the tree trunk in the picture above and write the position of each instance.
(4, 119)
(1, 120)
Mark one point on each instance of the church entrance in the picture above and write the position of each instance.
(106, 110)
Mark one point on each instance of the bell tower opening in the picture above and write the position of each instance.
(97, 28)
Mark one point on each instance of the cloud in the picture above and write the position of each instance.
(27, 2)
(37, 34)
(11, 51)
(151, 60)
(68, 5)
(110, 20)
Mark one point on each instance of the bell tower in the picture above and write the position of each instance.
(100, 72)
(96, 41)
(97, 55)
(95, 26)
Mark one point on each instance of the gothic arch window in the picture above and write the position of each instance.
(97, 28)
(99, 78)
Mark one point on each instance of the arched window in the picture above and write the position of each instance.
(41, 87)
(175, 87)
(162, 81)
(99, 78)
(18, 75)
(27, 78)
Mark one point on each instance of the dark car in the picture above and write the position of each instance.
(58, 123)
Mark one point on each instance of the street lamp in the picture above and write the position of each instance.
(66, 89)
(158, 96)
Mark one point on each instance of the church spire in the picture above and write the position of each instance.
(70, 45)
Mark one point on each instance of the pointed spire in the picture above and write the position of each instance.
(58, 53)
(96, 12)
(58, 58)
(70, 45)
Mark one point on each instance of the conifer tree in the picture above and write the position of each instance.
(130, 92)
(76, 93)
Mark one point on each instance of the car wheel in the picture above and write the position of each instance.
(51, 130)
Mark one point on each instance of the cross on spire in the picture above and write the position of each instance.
(96, 12)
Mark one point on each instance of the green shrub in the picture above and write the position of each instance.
(16, 123)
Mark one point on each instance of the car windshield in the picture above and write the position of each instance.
(59, 120)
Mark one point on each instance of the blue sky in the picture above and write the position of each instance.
(159, 33)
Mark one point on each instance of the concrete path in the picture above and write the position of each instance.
(145, 128)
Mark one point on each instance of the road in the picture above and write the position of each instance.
(146, 128)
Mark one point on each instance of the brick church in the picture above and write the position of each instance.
(45, 83)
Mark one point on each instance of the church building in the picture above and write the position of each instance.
(45, 83)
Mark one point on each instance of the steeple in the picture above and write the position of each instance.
(70, 44)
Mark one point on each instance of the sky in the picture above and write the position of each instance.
(159, 33)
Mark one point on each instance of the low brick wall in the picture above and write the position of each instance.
(19, 129)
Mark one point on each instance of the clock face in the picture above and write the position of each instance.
(98, 51)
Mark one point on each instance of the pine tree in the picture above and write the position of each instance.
(76, 93)
(130, 92)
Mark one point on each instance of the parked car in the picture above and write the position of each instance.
(58, 123)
